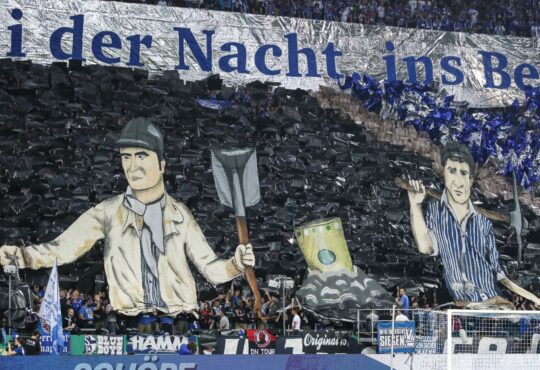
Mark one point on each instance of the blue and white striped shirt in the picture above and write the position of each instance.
(468, 251)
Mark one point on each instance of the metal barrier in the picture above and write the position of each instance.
(366, 323)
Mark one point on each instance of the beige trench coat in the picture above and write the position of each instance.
(111, 221)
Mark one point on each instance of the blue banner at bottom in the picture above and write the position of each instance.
(178, 362)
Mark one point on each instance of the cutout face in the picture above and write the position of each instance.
(458, 180)
(141, 167)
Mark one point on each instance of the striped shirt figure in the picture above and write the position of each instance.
(454, 230)
(467, 249)
(463, 237)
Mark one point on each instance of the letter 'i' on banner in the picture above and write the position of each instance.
(50, 311)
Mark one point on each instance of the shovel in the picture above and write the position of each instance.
(516, 219)
(237, 185)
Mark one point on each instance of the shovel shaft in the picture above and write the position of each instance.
(515, 216)
(241, 226)
(243, 237)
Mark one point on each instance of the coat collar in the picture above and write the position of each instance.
(172, 216)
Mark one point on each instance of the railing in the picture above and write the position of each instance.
(367, 319)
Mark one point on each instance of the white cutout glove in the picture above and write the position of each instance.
(243, 256)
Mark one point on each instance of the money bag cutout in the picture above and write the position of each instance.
(334, 287)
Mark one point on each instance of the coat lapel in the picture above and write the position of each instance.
(129, 219)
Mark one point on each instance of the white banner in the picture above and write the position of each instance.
(156, 343)
(484, 70)
(103, 345)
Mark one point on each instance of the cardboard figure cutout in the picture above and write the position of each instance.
(149, 237)
(463, 237)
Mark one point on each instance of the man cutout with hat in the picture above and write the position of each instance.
(461, 236)
(149, 237)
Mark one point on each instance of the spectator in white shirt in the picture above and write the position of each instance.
(401, 317)
(372, 319)
(224, 323)
(296, 321)
(345, 14)
(473, 14)
(535, 30)
(412, 5)
(380, 13)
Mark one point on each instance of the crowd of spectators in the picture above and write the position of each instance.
(232, 310)
(93, 313)
(500, 17)
(235, 311)
(79, 311)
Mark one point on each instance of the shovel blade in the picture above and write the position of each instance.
(236, 178)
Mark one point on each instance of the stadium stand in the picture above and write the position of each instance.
(510, 17)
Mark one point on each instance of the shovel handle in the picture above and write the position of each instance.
(241, 226)
(404, 184)
(492, 215)
(243, 237)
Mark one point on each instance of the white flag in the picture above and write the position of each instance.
(50, 311)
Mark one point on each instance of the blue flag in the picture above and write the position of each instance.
(50, 311)
(214, 104)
